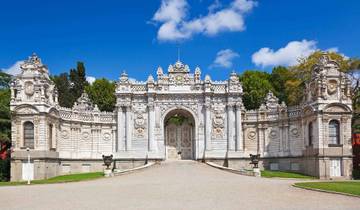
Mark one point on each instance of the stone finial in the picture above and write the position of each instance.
(34, 64)
(178, 67)
(271, 101)
(324, 59)
(83, 103)
(96, 108)
(324, 63)
(160, 72)
(124, 77)
(207, 78)
(234, 77)
(197, 71)
(150, 79)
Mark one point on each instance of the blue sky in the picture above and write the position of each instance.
(218, 36)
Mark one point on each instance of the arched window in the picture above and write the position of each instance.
(334, 132)
(29, 135)
(310, 133)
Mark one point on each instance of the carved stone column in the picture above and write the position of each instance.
(151, 127)
(260, 140)
(239, 140)
(207, 127)
(128, 128)
(230, 127)
(120, 130)
(53, 137)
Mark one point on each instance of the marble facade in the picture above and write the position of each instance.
(217, 128)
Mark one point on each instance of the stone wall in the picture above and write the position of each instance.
(74, 140)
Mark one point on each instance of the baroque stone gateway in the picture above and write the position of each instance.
(180, 116)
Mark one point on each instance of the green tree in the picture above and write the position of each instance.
(71, 86)
(304, 66)
(5, 123)
(4, 80)
(279, 77)
(66, 99)
(78, 81)
(102, 93)
(256, 84)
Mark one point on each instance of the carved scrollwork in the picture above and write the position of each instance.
(85, 135)
(295, 132)
(332, 87)
(251, 135)
(29, 88)
(65, 134)
(218, 122)
(273, 134)
(107, 136)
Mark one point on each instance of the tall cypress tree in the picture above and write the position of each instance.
(71, 86)
(78, 80)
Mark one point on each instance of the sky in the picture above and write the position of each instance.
(137, 36)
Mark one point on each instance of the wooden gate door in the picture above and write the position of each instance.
(179, 141)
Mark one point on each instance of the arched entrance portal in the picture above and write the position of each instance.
(179, 135)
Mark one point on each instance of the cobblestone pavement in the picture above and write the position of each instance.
(173, 185)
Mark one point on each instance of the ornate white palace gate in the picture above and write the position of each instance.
(181, 116)
(214, 109)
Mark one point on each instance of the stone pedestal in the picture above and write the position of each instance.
(108, 173)
(257, 172)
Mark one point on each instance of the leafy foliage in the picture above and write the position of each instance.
(5, 123)
(78, 80)
(256, 84)
(66, 98)
(177, 119)
(4, 80)
(286, 85)
(303, 69)
(5, 126)
(102, 93)
(70, 87)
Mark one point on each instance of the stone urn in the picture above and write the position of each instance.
(255, 162)
(108, 159)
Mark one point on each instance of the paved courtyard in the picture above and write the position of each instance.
(173, 185)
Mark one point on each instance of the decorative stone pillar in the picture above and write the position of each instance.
(120, 130)
(260, 140)
(207, 127)
(230, 127)
(151, 127)
(128, 128)
(239, 140)
(53, 137)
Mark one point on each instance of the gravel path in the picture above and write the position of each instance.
(180, 185)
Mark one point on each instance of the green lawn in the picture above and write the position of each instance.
(284, 174)
(59, 179)
(350, 187)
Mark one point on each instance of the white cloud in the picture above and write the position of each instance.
(14, 69)
(173, 14)
(90, 79)
(286, 56)
(171, 10)
(224, 58)
(214, 6)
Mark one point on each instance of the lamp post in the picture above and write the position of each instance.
(28, 165)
